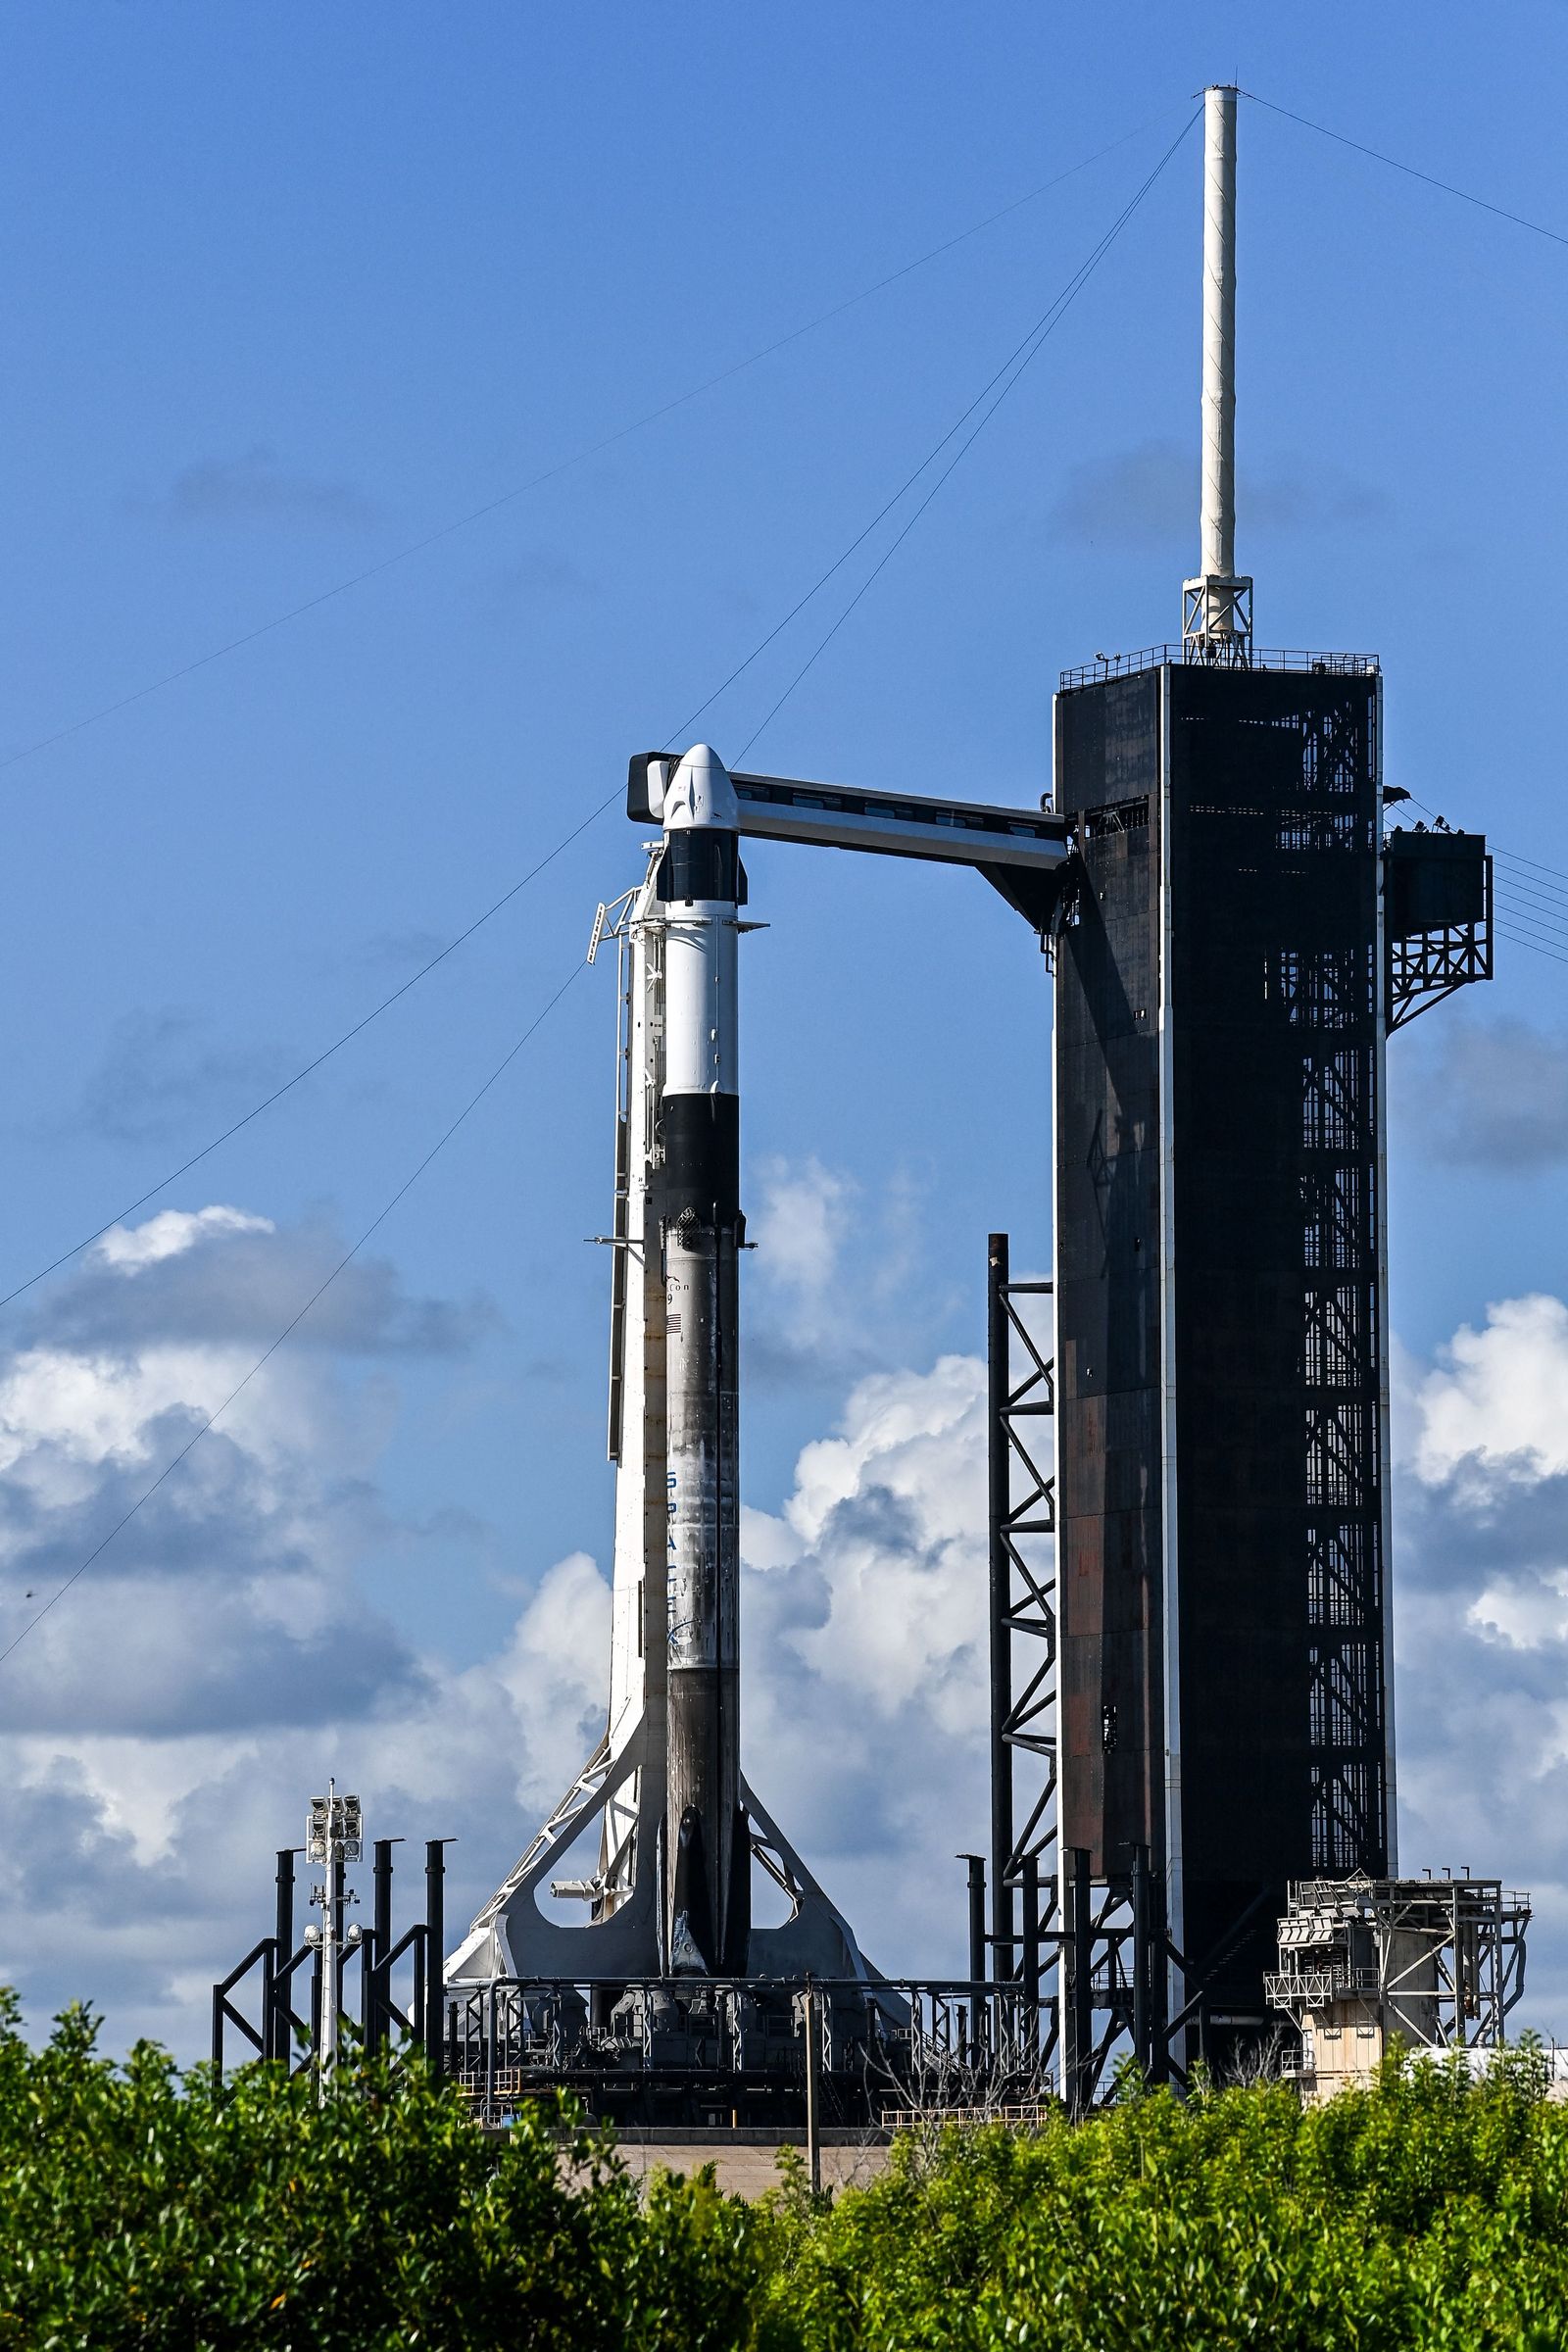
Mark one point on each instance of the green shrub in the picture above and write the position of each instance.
(1427, 2213)
(138, 2212)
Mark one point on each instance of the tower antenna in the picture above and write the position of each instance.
(1217, 606)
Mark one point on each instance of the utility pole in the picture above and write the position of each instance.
(332, 1838)
(814, 2119)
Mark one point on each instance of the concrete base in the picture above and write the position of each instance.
(746, 2163)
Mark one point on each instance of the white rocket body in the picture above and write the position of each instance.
(678, 1828)
(700, 888)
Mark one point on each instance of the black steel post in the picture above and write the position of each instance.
(977, 1917)
(1080, 1981)
(270, 1967)
(1030, 1967)
(278, 2039)
(382, 1875)
(813, 2095)
(370, 1996)
(999, 1501)
(217, 2037)
(435, 1934)
(1142, 1962)
(1158, 1984)
(379, 1993)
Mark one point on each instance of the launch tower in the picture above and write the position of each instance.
(1239, 943)
(1207, 1702)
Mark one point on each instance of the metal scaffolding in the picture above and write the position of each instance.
(1021, 1399)
(1368, 1963)
(400, 1991)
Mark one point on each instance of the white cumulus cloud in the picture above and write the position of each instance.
(130, 1247)
(1498, 1395)
(864, 1641)
(1481, 1618)
(163, 1725)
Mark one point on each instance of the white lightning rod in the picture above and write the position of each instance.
(1217, 606)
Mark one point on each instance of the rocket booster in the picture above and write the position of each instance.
(706, 1854)
(678, 1826)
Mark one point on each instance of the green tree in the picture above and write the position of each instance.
(1427, 2214)
(139, 2211)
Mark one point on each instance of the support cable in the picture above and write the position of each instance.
(908, 483)
(9, 1298)
(1540, 898)
(1501, 213)
(295, 1320)
(325, 1055)
(1012, 370)
(1520, 911)
(1522, 939)
(1527, 939)
(1514, 858)
(1447, 187)
(1520, 916)
(1041, 328)
(581, 457)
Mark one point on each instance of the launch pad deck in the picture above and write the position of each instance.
(709, 2054)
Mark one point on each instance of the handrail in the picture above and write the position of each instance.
(1183, 656)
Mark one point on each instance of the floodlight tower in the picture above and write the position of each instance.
(334, 1838)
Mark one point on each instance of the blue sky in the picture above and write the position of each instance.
(288, 290)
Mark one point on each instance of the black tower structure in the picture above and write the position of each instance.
(1222, 1371)
(1235, 944)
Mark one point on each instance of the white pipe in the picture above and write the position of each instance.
(1219, 350)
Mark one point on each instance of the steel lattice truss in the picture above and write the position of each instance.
(1342, 1372)
(1430, 965)
(1024, 1627)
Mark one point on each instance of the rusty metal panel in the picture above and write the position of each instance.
(1275, 1313)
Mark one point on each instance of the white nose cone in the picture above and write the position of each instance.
(700, 792)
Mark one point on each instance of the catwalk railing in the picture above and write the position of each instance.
(1274, 656)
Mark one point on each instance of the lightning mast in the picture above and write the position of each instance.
(1217, 606)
